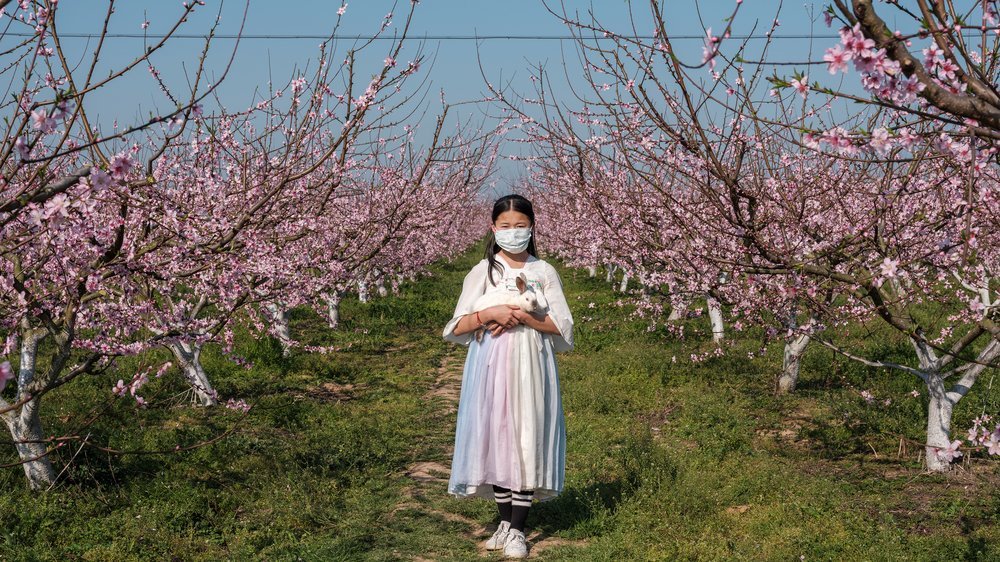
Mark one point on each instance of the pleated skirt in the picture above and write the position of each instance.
(510, 430)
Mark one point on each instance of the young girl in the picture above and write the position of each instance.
(510, 439)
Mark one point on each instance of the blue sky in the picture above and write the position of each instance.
(456, 68)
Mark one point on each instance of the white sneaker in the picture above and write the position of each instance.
(515, 546)
(499, 537)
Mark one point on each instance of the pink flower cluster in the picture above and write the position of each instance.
(880, 75)
(979, 435)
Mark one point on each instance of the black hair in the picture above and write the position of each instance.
(506, 203)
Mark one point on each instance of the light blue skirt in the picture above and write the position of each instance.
(510, 430)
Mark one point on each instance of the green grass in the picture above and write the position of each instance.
(666, 460)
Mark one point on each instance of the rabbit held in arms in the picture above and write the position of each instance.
(527, 299)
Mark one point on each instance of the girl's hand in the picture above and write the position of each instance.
(496, 329)
(523, 317)
(503, 315)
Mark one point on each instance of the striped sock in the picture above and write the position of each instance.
(520, 503)
(503, 497)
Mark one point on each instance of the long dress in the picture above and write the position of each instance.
(510, 429)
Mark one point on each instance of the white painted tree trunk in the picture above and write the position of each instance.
(279, 315)
(610, 274)
(380, 286)
(790, 364)
(624, 284)
(715, 317)
(24, 424)
(592, 270)
(677, 312)
(26, 431)
(188, 356)
(939, 411)
(397, 281)
(362, 290)
(942, 400)
(333, 309)
(794, 349)
(643, 286)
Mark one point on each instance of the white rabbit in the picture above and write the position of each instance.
(527, 299)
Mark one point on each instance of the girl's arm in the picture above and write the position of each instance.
(542, 324)
(501, 314)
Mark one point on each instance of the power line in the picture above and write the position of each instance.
(255, 36)
(424, 37)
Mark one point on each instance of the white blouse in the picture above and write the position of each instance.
(540, 275)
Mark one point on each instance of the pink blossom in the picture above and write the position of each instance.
(62, 110)
(854, 40)
(933, 56)
(99, 179)
(341, 10)
(801, 86)
(57, 207)
(22, 148)
(710, 49)
(889, 267)
(838, 138)
(949, 453)
(6, 374)
(993, 445)
(837, 59)
(240, 405)
(42, 121)
(880, 140)
(120, 165)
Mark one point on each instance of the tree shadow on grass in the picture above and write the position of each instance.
(575, 506)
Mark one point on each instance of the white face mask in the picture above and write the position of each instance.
(514, 240)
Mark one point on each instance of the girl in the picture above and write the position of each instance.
(510, 438)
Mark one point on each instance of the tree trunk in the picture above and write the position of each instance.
(624, 284)
(333, 309)
(26, 431)
(789, 376)
(794, 348)
(279, 315)
(592, 270)
(24, 424)
(677, 311)
(380, 285)
(362, 290)
(396, 282)
(188, 355)
(939, 411)
(610, 274)
(715, 317)
(943, 400)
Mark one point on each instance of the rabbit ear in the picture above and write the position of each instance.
(522, 283)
